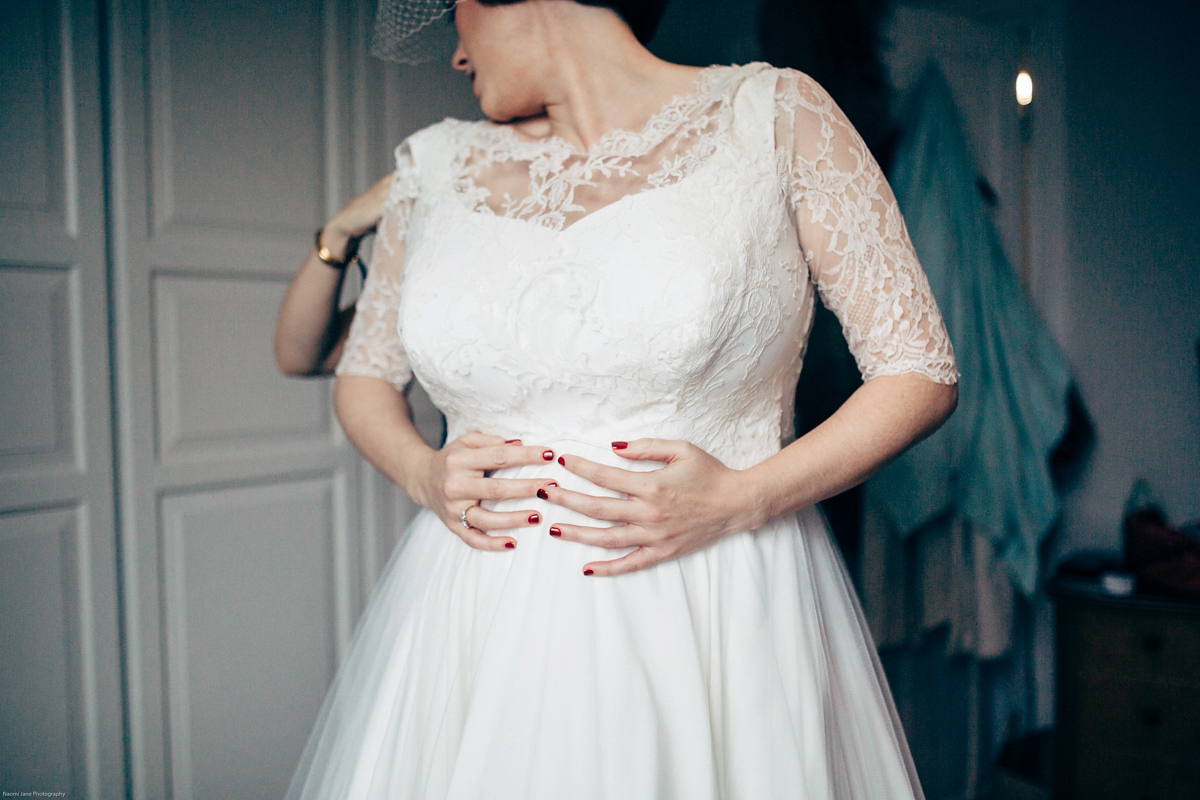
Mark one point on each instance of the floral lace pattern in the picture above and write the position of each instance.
(373, 348)
(393, 226)
(660, 285)
(854, 238)
(548, 183)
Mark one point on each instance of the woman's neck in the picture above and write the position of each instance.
(592, 76)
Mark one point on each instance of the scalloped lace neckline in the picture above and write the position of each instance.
(548, 182)
(705, 86)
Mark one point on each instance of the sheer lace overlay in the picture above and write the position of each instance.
(548, 183)
(849, 232)
(397, 209)
(693, 294)
(374, 348)
(854, 238)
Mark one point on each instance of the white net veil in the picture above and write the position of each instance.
(413, 31)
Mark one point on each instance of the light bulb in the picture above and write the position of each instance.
(1024, 88)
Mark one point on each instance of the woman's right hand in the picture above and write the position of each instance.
(458, 477)
(356, 219)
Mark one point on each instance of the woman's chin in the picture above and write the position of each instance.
(503, 112)
(499, 116)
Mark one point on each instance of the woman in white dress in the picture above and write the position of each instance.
(620, 588)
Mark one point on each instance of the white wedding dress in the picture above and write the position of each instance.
(660, 285)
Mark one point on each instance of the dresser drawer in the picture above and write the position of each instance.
(1128, 696)
(1129, 643)
(1147, 717)
(1114, 775)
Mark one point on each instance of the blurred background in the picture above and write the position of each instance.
(186, 539)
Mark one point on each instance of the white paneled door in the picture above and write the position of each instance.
(60, 692)
(186, 539)
(230, 144)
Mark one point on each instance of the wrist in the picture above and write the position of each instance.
(335, 246)
(417, 476)
(752, 509)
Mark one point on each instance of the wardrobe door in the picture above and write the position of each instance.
(229, 146)
(60, 701)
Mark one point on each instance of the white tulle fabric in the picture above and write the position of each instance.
(660, 285)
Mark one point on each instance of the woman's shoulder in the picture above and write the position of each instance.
(796, 90)
(436, 135)
(735, 75)
(783, 81)
(433, 149)
(777, 89)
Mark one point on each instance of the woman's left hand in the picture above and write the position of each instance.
(690, 503)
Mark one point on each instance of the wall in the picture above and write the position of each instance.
(1132, 277)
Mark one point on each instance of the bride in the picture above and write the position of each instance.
(619, 586)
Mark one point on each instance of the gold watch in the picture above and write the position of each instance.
(327, 257)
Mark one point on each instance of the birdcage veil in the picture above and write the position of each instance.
(413, 31)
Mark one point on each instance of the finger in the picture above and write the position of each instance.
(482, 541)
(664, 450)
(476, 439)
(613, 538)
(497, 488)
(498, 456)
(610, 509)
(615, 478)
(641, 558)
(486, 521)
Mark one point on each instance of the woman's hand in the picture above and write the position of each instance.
(457, 478)
(690, 503)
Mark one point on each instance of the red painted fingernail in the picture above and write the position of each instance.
(554, 531)
(542, 495)
(619, 445)
(561, 461)
(510, 545)
(551, 483)
(549, 455)
(587, 572)
(534, 519)
(512, 441)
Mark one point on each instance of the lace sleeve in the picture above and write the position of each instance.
(373, 347)
(854, 239)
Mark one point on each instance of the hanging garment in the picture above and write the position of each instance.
(953, 525)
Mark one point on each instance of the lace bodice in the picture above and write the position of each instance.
(660, 284)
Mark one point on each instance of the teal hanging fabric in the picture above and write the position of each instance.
(987, 469)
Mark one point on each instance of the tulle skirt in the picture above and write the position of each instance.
(740, 672)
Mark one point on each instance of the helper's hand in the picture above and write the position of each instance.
(356, 219)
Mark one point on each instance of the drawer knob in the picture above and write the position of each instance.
(1151, 717)
(1153, 642)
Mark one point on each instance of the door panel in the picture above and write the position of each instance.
(212, 338)
(35, 589)
(236, 110)
(239, 535)
(39, 307)
(232, 558)
(60, 701)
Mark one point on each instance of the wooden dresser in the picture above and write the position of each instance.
(1128, 696)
